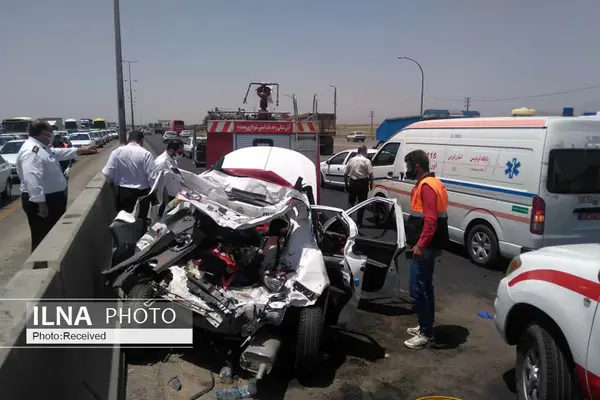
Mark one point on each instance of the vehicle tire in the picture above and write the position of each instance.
(308, 341)
(7, 193)
(482, 245)
(139, 291)
(543, 363)
(322, 180)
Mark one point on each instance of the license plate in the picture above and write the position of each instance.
(590, 216)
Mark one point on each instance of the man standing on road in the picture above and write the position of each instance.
(358, 180)
(168, 161)
(426, 232)
(43, 184)
(130, 169)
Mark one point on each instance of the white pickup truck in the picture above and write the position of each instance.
(356, 137)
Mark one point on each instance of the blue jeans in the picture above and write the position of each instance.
(421, 289)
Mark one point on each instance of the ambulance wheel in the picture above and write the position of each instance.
(482, 245)
(543, 368)
(139, 291)
(308, 341)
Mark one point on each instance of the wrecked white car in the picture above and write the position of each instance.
(244, 246)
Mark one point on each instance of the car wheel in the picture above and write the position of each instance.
(543, 370)
(482, 245)
(137, 292)
(7, 193)
(322, 180)
(308, 341)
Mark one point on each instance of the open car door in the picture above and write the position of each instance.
(358, 261)
(380, 242)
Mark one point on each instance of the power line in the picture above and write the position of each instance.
(535, 96)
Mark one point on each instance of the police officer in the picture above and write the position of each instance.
(358, 180)
(131, 169)
(426, 233)
(168, 161)
(43, 183)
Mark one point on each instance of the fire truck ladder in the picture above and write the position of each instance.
(306, 144)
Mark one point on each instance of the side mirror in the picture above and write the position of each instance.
(328, 162)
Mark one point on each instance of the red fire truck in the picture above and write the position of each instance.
(229, 130)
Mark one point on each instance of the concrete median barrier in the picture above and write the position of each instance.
(66, 265)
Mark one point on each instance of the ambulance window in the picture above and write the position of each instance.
(574, 171)
(387, 155)
(262, 142)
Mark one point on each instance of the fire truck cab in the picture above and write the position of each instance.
(229, 130)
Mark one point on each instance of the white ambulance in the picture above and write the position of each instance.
(515, 184)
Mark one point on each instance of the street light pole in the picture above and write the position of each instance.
(422, 78)
(131, 93)
(119, 65)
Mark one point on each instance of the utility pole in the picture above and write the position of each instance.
(119, 65)
(131, 92)
(372, 117)
(467, 103)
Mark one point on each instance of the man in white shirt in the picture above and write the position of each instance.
(130, 169)
(168, 161)
(43, 183)
(358, 180)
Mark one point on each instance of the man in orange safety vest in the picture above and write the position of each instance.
(426, 233)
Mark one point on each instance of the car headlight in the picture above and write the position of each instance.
(273, 281)
(514, 265)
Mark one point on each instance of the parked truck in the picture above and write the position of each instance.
(164, 125)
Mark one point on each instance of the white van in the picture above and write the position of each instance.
(514, 184)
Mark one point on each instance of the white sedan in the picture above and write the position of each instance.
(9, 154)
(6, 179)
(170, 135)
(296, 262)
(82, 139)
(333, 170)
(547, 305)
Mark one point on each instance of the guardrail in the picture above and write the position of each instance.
(65, 265)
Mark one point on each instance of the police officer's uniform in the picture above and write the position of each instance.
(42, 181)
(358, 170)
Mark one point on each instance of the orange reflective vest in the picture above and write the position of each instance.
(414, 225)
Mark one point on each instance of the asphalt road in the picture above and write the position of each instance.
(469, 360)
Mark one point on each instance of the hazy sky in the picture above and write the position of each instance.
(58, 56)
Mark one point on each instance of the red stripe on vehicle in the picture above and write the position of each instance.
(590, 382)
(311, 126)
(300, 127)
(576, 284)
(497, 214)
(226, 127)
(213, 126)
